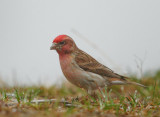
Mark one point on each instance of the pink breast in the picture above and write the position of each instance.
(70, 70)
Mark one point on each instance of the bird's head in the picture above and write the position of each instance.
(63, 44)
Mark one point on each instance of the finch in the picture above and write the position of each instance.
(83, 70)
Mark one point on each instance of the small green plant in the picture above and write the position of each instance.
(4, 95)
(18, 95)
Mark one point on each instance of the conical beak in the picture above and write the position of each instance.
(53, 46)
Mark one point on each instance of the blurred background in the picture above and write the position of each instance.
(124, 35)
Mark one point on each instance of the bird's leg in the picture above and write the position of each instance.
(101, 91)
(88, 94)
(91, 93)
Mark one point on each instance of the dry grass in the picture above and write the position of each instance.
(72, 101)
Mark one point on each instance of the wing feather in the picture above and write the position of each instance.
(88, 63)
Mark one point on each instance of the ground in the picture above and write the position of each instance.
(71, 101)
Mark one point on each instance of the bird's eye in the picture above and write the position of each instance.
(62, 42)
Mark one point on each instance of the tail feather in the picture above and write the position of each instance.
(118, 82)
(135, 83)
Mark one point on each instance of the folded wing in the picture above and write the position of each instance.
(88, 63)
